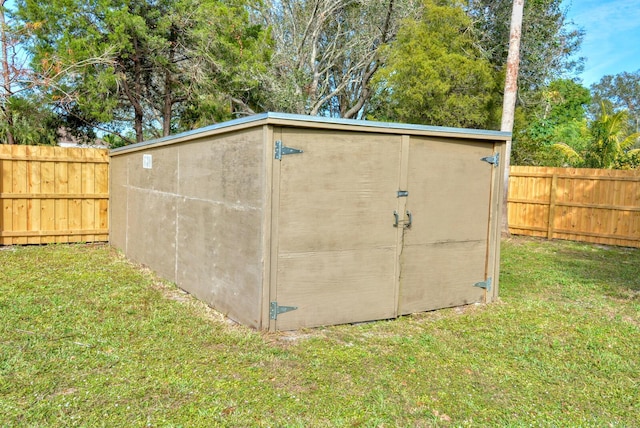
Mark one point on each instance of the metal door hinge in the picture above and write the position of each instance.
(275, 310)
(493, 160)
(484, 284)
(281, 150)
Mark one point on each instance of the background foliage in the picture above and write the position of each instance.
(129, 70)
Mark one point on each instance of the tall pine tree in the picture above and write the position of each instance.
(173, 64)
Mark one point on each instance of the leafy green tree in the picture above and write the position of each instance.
(547, 53)
(64, 34)
(30, 123)
(434, 73)
(566, 101)
(556, 128)
(612, 146)
(166, 60)
(26, 114)
(612, 141)
(23, 119)
(620, 91)
(7, 41)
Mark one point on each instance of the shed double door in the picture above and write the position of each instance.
(342, 256)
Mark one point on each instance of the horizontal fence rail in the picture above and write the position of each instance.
(590, 205)
(53, 194)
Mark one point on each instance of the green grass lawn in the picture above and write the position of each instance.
(88, 339)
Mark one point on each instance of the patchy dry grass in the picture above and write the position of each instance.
(87, 339)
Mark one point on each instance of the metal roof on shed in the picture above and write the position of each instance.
(305, 121)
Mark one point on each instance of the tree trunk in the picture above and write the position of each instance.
(371, 68)
(509, 102)
(168, 104)
(6, 76)
(138, 113)
(169, 100)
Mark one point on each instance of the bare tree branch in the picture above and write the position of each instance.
(327, 51)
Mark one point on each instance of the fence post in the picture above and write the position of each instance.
(552, 204)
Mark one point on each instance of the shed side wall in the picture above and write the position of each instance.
(118, 202)
(219, 255)
(151, 210)
(195, 217)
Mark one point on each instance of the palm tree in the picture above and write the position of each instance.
(611, 141)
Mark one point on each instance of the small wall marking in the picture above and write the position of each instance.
(147, 161)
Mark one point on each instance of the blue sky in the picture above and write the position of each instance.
(612, 41)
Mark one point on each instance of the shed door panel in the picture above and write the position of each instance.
(337, 247)
(445, 249)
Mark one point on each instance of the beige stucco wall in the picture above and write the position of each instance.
(195, 217)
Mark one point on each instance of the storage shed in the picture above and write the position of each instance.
(285, 221)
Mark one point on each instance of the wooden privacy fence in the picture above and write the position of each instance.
(591, 205)
(53, 194)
